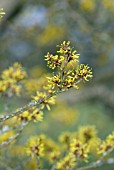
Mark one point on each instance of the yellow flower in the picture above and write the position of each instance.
(34, 147)
(32, 114)
(84, 72)
(79, 149)
(2, 86)
(54, 61)
(66, 78)
(106, 146)
(37, 115)
(66, 163)
(49, 146)
(110, 139)
(15, 72)
(87, 133)
(53, 156)
(68, 54)
(65, 138)
(41, 96)
(64, 47)
(88, 5)
(54, 82)
(6, 136)
(10, 78)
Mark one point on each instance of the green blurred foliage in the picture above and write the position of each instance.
(33, 28)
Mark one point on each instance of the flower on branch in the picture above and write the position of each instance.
(79, 149)
(41, 96)
(66, 163)
(34, 147)
(84, 72)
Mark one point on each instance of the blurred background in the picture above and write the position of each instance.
(31, 28)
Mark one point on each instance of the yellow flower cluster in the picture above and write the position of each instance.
(34, 147)
(54, 82)
(79, 149)
(10, 78)
(80, 143)
(53, 156)
(87, 133)
(49, 149)
(108, 4)
(88, 5)
(67, 52)
(66, 163)
(32, 114)
(4, 138)
(84, 72)
(67, 55)
(54, 61)
(107, 145)
(65, 138)
(66, 77)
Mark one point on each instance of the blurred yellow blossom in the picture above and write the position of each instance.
(66, 163)
(34, 147)
(10, 78)
(6, 137)
(88, 5)
(87, 133)
(108, 4)
(79, 149)
(32, 114)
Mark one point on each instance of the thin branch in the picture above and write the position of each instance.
(11, 139)
(99, 162)
(34, 103)
(92, 165)
(29, 105)
(96, 164)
